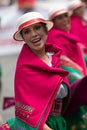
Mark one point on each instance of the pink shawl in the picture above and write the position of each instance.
(69, 45)
(79, 29)
(36, 85)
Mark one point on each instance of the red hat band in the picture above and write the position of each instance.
(30, 22)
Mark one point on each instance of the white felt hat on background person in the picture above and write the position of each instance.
(58, 9)
(28, 19)
(73, 4)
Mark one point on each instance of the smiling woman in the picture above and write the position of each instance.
(73, 62)
(42, 90)
(33, 34)
(34, 65)
(37, 63)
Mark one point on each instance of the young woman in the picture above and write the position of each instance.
(40, 83)
(61, 37)
(42, 91)
(71, 58)
(79, 24)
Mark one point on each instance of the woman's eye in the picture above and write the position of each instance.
(59, 17)
(66, 15)
(37, 27)
(26, 31)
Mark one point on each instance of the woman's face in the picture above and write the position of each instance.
(35, 36)
(62, 22)
(79, 11)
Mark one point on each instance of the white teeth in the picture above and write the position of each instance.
(36, 40)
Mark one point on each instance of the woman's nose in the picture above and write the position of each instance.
(33, 32)
(65, 19)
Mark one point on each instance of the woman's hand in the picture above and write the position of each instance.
(46, 127)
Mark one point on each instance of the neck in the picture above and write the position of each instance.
(42, 55)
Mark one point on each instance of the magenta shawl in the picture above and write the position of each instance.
(79, 29)
(36, 85)
(69, 45)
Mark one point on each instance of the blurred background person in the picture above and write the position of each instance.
(60, 36)
(71, 58)
(79, 24)
(26, 5)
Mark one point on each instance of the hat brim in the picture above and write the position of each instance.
(17, 36)
(59, 13)
(75, 6)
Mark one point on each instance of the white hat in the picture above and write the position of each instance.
(73, 4)
(57, 10)
(27, 20)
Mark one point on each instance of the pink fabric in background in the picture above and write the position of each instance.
(69, 45)
(79, 29)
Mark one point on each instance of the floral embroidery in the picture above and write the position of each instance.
(24, 107)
